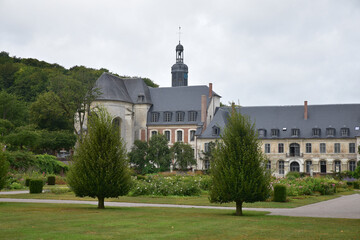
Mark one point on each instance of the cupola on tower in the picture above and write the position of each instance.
(179, 71)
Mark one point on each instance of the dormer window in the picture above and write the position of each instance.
(316, 132)
(155, 117)
(344, 132)
(141, 98)
(275, 132)
(262, 133)
(167, 116)
(192, 116)
(215, 131)
(180, 116)
(295, 132)
(330, 132)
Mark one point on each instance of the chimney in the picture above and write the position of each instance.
(203, 108)
(210, 90)
(305, 110)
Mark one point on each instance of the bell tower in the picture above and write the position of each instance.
(179, 71)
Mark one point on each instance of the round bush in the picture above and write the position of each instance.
(356, 185)
(36, 186)
(279, 193)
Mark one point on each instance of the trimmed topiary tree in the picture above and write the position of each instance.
(280, 193)
(51, 180)
(4, 167)
(36, 186)
(238, 168)
(27, 182)
(100, 168)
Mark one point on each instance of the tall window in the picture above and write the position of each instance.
(206, 147)
(336, 147)
(323, 166)
(267, 148)
(117, 123)
(167, 116)
(337, 165)
(153, 133)
(352, 166)
(281, 148)
(295, 132)
(294, 167)
(192, 135)
(330, 132)
(344, 132)
(192, 116)
(316, 132)
(179, 137)
(308, 148)
(167, 135)
(180, 116)
(308, 166)
(268, 165)
(281, 167)
(206, 164)
(322, 147)
(275, 132)
(351, 147)
(155, 117)
(294, 150)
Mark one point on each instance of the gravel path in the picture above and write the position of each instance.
(342, 207)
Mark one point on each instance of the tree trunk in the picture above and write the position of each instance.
(101, 204)
(239, 209)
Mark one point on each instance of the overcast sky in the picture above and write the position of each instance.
(258, 52)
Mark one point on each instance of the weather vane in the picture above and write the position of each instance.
(179, 33)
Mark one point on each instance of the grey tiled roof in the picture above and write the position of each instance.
(278, 117)
(122, 89)
(173, 99)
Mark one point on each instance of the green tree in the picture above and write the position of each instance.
(47, 113)
(239, 167)
(4, 167)
(138, 157)
(51, 141)
(100, 168)
(183, 155)
(23, 137)
(159, 153)
(12, 109)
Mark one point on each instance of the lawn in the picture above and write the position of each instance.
(193, 200)
(62, 221)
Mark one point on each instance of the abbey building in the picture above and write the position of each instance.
(315, 139)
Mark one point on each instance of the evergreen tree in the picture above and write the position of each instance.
(100, 168)
(239, 167)
(183, 155)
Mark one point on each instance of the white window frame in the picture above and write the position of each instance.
(189, 135)
(182, 135)
(169, 134)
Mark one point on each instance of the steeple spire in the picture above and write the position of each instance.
(179, 70)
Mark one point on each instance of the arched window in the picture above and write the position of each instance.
(179, 136)
(167, 135)
(294, 167)
(192, 135)
(281, 167)
(117, 123)
(294, 150)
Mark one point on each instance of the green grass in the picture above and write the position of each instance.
(65, 221)
(196, 200)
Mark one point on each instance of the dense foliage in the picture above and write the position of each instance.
(41, 102)
(100, 167)
(4, 165)
(183, 156)
(239, 167)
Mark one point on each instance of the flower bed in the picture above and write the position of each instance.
(310, 185)
(171, 185)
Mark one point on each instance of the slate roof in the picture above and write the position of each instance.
(278, 117)
(173, 99)
(122, 89)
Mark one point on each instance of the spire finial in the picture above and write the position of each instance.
(179, 33)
